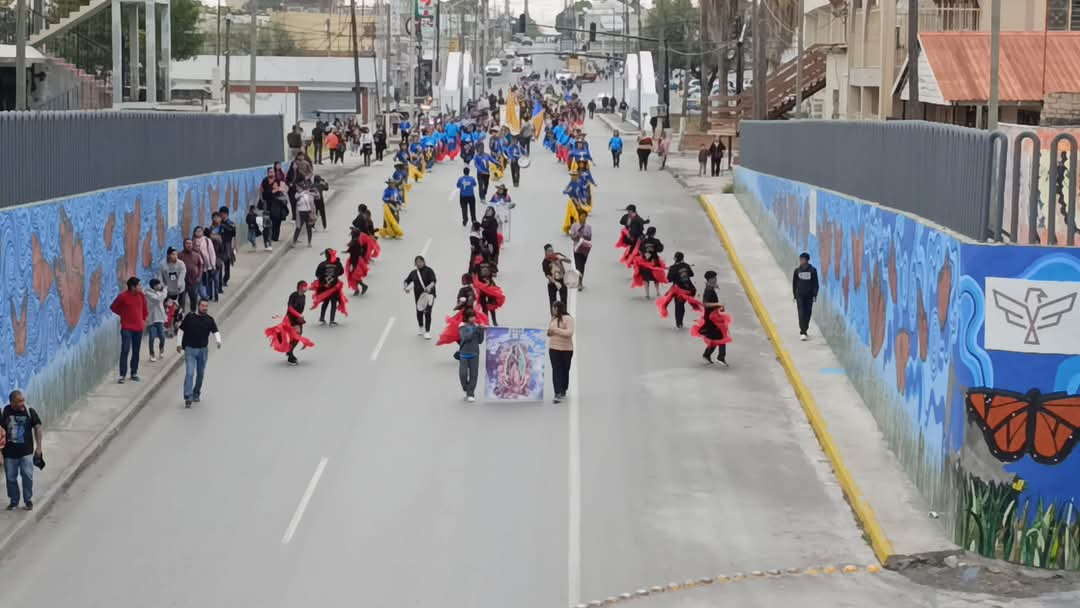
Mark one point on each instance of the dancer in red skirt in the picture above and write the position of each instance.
(682, 291)
(490, 296)
(356, 268)
(328, 288)
(466, 300)
(289, 333)
(714, 325)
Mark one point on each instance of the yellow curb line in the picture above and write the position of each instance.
(863, 512)
(720, 579)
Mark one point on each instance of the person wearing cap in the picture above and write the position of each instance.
(577, 204)
(392, 200)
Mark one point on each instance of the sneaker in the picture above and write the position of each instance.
(557, 399)
(427, 335)
(153, 358)
(267, 248)
(12, 506)
(29, 506)
(333, 323)
(420, 331)
(196, 399)
(363, 288)
(708, 359)
(723, 363)
(134, 378)
(802, 337)
(121, 380)
(470, 399)
(356, 292)
(293, 361)
(322, 321)
(187, 402)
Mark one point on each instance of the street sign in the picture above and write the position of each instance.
(425, 9)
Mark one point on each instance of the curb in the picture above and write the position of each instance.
(864, 513)
(97, 445)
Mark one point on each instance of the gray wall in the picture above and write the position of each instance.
(53, 154)
(938, 172)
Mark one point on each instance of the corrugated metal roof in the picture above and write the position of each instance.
(299, 71)
(961, 64)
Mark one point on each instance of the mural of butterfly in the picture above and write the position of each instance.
(1045, 426)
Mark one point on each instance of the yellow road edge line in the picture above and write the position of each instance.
(863, 511)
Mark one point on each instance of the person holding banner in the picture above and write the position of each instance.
(470, 337)
(560, 348)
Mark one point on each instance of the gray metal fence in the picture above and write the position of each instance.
(53, 154)
(938, 172)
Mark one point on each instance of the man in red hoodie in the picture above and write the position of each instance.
(130, 306)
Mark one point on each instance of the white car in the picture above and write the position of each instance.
(493, 68)
(564, 75)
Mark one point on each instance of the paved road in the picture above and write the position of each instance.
(657, 469)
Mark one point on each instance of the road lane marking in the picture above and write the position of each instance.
(424, 250)
(382, 338)
(574, 412)
(304, 500)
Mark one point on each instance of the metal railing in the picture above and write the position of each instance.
(57, 154)
(937, 172)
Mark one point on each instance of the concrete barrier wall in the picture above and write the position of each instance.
(63, 262)
(917, 317)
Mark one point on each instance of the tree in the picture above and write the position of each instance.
(273, 40)
(677, 22)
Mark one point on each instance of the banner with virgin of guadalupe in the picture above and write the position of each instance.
(514, 364)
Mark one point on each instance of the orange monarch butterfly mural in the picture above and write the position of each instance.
(1045, 426)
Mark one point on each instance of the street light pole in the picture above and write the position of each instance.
(20, 55)
(799, 62)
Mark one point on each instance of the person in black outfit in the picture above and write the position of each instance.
(716, 155)
(681, 274)
(651, 244)
(422, 281)
(711, 301)
(317, 140)
(357, 252)
(634, 224)
(328, 273)
(804, 288)
(297, 302)
(192, 339)
(227, 229)
(489, 234)
(380, 143)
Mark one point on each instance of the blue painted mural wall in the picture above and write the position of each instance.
(63, 261)
(903, 305)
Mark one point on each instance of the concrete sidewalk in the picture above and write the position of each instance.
(72, 443)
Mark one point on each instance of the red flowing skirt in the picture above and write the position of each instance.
(337, 291)
(451, 333)
(712, 328)
(644, 271)
(674, 292)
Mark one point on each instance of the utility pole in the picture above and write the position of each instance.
(625, 46)
(218, 45)
(799, 61)
(740, 55)
(20, 55)
(389, 37)
(254, 52)
(356, 59)
(913, 56)
(640, 110)
(374, 53)
(761, 61)
(436, 87)
(664, 67)
(228, 63)
(995, 51)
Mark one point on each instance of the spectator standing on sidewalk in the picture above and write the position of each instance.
(205, 248)
(663, 142)
(702, 160)
(130, 306)
(227, 229)
(581, 233)
(193, 267)
(155, 322)
(172, 275)
(317, 141)
(193, 339)
(380, 143)
(615, 144)
(295, 139)
(305, 208)
(592, 107)
(804, 288)
(644, 149)
(716, 154)
(22, 431)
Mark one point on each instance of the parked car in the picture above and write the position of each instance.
(493, 68)
(589, 76)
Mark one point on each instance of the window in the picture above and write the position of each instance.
(1063, 15)
(1027, 117)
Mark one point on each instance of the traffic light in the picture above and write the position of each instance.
(520, 27)
(592, 32)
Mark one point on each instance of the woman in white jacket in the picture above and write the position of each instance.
(205, 248)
